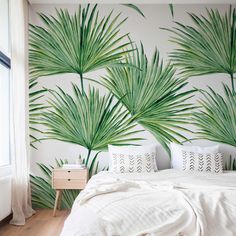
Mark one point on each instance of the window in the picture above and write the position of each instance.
(5, 65)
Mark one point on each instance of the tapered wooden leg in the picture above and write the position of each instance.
(59, 200)
(56, 202)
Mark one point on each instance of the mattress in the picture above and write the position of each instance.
(163, 203)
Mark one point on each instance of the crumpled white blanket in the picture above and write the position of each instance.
(183, 205)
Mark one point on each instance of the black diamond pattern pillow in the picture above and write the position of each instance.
(132, 159)
(202, 162)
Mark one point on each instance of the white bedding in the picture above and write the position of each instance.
(165, 203)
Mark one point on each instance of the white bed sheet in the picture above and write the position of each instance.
(164, 203)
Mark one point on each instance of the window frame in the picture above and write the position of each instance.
(5, 60)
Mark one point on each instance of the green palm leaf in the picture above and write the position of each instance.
(135, 8)
(217, 119)
(35, 109)
(152, 94)
(171, 7)
(76, 43)
(209, 46)
(231, 165)
(92, 121)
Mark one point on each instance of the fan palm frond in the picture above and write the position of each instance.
(35, 109)
(152, 94)
(209, 46)
(76, 43)
(92, 121)
(217, 119)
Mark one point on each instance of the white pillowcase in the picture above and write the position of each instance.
(202, 162)
(176, 153)
(132, 159)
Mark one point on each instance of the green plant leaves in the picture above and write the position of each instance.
(35, 109)
(171, 7)
(76, 43)
(209, 46)
(136, 8)
(216, 120)
(92, 121)
(152, 94)
(231, 165)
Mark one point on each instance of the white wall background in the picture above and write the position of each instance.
(142, 29)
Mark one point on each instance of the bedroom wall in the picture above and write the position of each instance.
(147, 30)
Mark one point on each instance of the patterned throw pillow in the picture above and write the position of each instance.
(132, 159)
(176, 152)
(202, 162)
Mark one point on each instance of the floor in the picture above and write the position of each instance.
(40, 224)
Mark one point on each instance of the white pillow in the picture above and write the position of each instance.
(202, 162)
(128, 159)
(176, 153)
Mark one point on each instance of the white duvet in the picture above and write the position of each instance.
(165, 203)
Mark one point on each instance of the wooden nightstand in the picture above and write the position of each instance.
(67, 179)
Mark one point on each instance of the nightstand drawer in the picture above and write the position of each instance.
(70, 174)
(69, 183)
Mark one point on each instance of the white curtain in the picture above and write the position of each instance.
(21, 201)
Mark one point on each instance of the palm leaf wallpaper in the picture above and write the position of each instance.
(216, 120)
(91, 121)
(114, 88)
(153, 95)
(35, 109)
(77, 43)
(209, 46)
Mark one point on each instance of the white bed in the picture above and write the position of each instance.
(165, 203)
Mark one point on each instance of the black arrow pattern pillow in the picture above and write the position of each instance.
(202, 162)
(123, 163)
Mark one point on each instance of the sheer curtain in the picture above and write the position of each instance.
(21, 201)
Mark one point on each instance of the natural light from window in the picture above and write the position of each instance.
(4, 85)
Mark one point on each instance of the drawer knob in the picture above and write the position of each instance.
(68, 171)
(68, 179)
